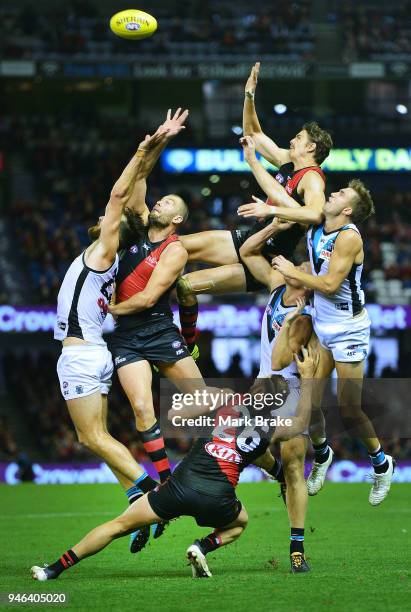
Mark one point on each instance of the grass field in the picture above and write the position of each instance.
(360, 556)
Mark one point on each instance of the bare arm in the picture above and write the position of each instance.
(252, 127)
(300, 422)
(295, 332)
(348, 247)
(100, 255)
(173, 124)
(170, 266)
(250, 253)
(311, 189)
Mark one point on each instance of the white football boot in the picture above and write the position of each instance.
(381, 483)
(316, 478)
(38, 573)
(198, 562)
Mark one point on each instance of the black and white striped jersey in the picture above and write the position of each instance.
(83, 300)
(348, 300)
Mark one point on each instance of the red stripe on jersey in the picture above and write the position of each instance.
(292, 184)
(137, 280)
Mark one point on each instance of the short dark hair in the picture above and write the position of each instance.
(322, 140)
(182, 207)
(363, 206)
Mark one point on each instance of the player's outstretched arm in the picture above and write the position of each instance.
(295, 332)
(102, 254)
(170, 266)
(347, 248)
(306, 365)
(173, 125)
(285, 206)
(250, 253)
(252, 127)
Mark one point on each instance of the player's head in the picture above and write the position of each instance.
(131, 228)
(311, 141)
(168, 211)
(354, 202)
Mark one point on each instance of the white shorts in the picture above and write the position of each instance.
(348, 340)
(84, 369)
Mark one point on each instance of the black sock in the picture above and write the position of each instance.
(67, 559)
(209, 543)
(277, 471)
(188, 322)
(142, 485)
(153, 443)
(321, 452)
(296, 540)
(379, 461)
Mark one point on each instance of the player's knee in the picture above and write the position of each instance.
(185, 293)
(121, 526)
(294, 469)
(95, 441)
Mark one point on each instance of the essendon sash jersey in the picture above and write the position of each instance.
(137, 264)
(213, 465)
(289, 179)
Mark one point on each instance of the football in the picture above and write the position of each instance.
(133, 24)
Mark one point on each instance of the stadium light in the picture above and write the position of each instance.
(280, 109)
(401, 109)
(237, 129)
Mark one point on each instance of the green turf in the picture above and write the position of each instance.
(360, 556)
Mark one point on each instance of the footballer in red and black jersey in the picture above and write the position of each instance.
(150, 334)
(284, 243)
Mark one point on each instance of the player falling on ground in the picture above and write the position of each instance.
(284, 328)
(341, 324)
(202, 486)
(304, 184)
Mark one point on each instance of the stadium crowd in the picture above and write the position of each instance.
(374, 31)
(79, 29)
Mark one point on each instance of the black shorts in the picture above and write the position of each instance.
(239, 237)
(155, 342)
(283, 244)
(173, 499)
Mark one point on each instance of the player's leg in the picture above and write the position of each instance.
(138, 515)
(349, 390)
(136, 379)
(293, 457)
(215, 247)
(87, 414)
(216, 281)
(196, 553)
(272, 466)
(323, 453)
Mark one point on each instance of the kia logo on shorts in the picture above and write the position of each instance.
(219, 451)
(176, 344)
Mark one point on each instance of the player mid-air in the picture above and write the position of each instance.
(303, 184)
(85, 366)
(202, 486)
(341, 324)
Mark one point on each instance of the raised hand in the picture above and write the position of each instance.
(174, 124)
(252, 80)
(150, 142)
(248, 145)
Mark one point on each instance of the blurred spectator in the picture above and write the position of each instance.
(8, 446)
